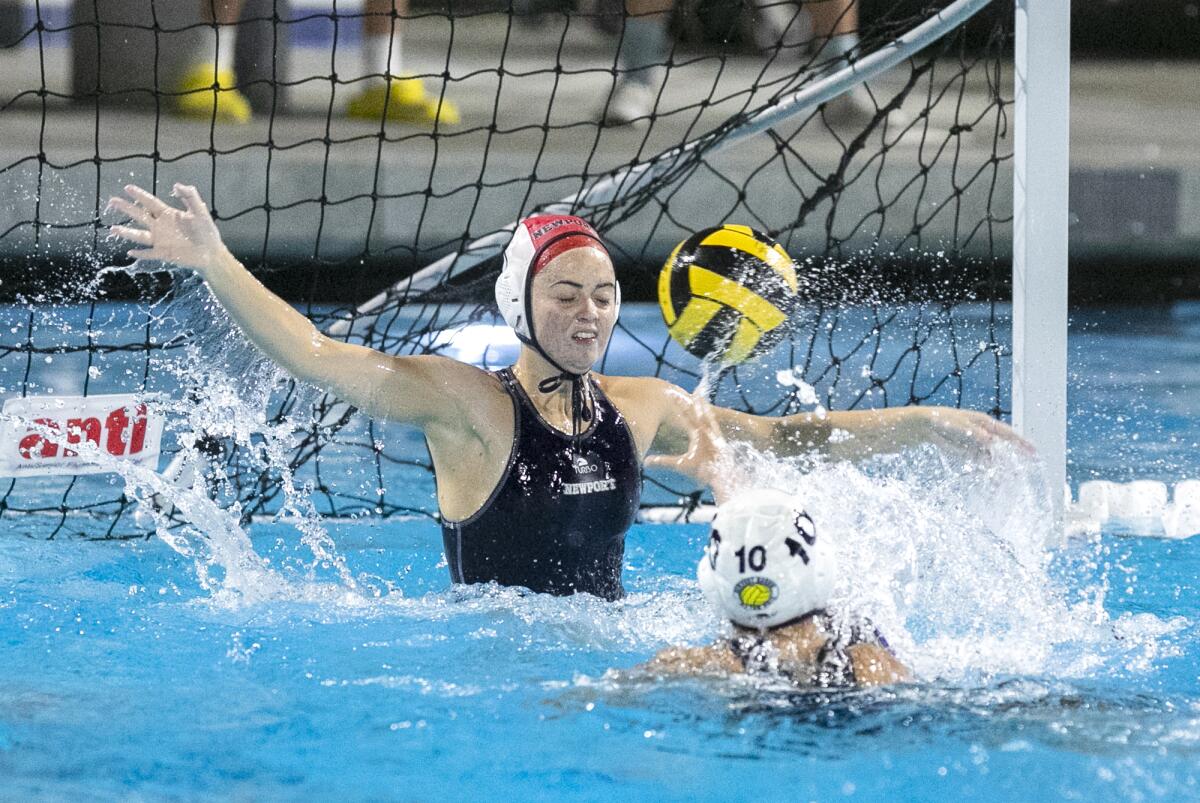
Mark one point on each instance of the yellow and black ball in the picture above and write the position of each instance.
(727, 293)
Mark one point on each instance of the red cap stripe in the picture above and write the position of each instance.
(563, 244)
(554, 235)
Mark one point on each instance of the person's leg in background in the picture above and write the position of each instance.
(400, 98)
(835, 38)
(835, 28)
(826, 33)
(208, 89)
(780, 28)
(641, 60)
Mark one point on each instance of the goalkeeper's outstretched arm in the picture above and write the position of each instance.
(857, 434)
(411, 389)
(692, 435)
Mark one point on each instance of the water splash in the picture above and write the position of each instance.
(228, 387)
(947, 556)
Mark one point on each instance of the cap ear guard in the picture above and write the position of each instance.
(511, 285)
(512, 304)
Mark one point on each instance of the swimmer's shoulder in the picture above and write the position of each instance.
(875, 665)
(638, 391)
(644, 401)
(871, 659)
(712, 659)
(467, 394)
(459, 378)
(425, 390)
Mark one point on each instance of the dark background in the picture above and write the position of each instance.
(1144, 30)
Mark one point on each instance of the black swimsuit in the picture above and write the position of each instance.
(557, 519)
(832, 668)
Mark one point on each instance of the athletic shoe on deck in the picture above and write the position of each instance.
(631, 101)
(209, 93)
(404, 100)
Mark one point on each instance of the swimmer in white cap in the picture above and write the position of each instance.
(767, 570)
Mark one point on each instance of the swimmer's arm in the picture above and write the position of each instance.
(858, 434)
(714, 659)
(875, 666)
(688, 437)
(680, 414)
(416, 390)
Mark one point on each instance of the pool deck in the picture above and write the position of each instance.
(1135, 150)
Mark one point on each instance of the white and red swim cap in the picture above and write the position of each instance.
(538, 240)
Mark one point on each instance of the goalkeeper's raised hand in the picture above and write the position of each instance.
(187, 237)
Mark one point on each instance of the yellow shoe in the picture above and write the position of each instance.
(405, 100)
(199, 99)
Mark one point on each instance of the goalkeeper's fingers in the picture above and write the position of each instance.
(191, 199)
(147, 201)
(139, 236)
(131, 210)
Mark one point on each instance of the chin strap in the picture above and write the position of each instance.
(580, 411)
(580, 393)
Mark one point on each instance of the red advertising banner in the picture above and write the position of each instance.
(39, 434)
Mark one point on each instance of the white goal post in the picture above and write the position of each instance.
(1041, 148)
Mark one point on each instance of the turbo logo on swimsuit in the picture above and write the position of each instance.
(592, 479)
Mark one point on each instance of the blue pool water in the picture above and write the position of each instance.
(255, 671)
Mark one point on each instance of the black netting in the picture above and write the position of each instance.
(894, 198)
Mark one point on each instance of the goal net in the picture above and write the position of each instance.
(881, 161)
